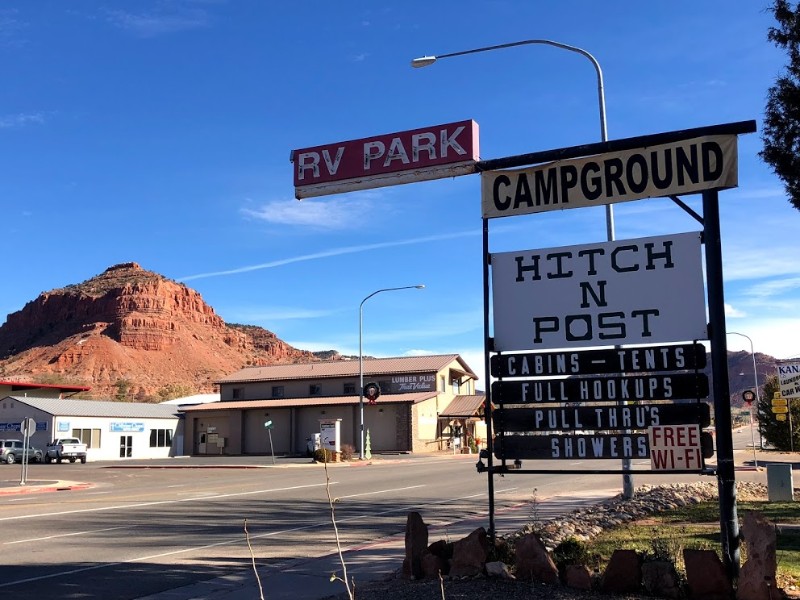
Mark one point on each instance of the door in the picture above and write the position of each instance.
(125, 446)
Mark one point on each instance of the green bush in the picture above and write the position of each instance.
(570, 552)
(323, 455)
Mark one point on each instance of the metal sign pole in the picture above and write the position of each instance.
(726, 476)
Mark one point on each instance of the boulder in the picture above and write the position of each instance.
(660, 578)
(623, 573)
(469, 554)
(416, 543)
(532, 562)
(706, 576)
(757, 575)
(578, 577)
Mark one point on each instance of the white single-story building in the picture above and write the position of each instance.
(111, 430)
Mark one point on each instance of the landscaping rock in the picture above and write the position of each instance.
(660, 578)
(578, 577)
(757, 575)
(706, 576)
(532, 561)
(623, 574)
(416, 543)
(469, 554)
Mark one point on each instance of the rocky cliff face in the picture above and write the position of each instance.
(133, 326)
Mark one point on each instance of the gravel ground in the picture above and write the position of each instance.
(401, 589)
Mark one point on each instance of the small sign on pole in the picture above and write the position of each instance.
(268, 425)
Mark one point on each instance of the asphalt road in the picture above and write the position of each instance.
(140, 531)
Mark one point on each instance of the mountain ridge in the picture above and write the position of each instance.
(131, 334)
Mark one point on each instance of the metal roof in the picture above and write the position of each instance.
(413, 398)
(463, 407)
(94, 408)
(348, 368)
(27, 385)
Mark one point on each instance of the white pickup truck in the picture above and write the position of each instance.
(70, 449)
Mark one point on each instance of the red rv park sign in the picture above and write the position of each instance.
(383, 160)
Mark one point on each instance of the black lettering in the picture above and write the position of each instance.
(687, 165)
(543, 325)
(522, 195)
(587, 334)
(592, 270)
(524, 269)
(505, 203)
(560, 273)
(587, 290)
(666, 181)
(613, 175)
(591, 187)
(645, 314)
(546, 190)
(637, 187)
(569, 178)
(614, 260)
(712, 160)
(665, 255)
(605, 321)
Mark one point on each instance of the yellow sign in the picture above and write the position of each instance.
(781, 402)
(780, 417)
(776, 395)
(779, 410)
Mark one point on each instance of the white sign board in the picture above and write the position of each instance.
(329, 434)
(789, 379)
(675, 448)
(683, 167)
(642, 291)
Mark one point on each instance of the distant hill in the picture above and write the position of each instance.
(133, 334)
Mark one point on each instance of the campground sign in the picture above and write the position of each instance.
(683, 167)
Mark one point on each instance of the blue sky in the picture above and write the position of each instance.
(159, 132)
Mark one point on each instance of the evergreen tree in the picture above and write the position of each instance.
(775, 432)
(781, 134)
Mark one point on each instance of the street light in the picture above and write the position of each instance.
(361, 360)
(424, 61)
(758, 399)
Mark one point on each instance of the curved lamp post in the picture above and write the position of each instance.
(424, 61)
(758, 395)
(361, 360)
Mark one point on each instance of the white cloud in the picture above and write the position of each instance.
(277, 313)
(732, 312)
(330, 214)
(166, 19)
(329, 253)
(776, 287)
(21, 120)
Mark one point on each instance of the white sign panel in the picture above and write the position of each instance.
(789, 379)
(684, 167)
(675, 448)
(642, 291)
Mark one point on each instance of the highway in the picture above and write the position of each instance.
(140, 531)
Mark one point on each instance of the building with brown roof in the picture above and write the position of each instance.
(295, 398)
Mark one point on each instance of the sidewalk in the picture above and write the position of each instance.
(10, 486)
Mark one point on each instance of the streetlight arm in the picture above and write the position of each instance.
(429, 60)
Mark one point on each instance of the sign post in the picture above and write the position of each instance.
(268, 425)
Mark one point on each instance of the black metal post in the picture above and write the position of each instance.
(726, 478)
(487, 410)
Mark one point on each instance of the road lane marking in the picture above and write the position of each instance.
(160, 502)
(402, 489)
(62, 535)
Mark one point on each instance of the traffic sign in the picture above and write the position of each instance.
(780, 410)
(780, 417)
(268, 425)
(748, 396)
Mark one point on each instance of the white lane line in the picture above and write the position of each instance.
(160, 502)
(62, 535)
(411, 487)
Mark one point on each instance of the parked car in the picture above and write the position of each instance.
(70, 449)
(12, 450)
